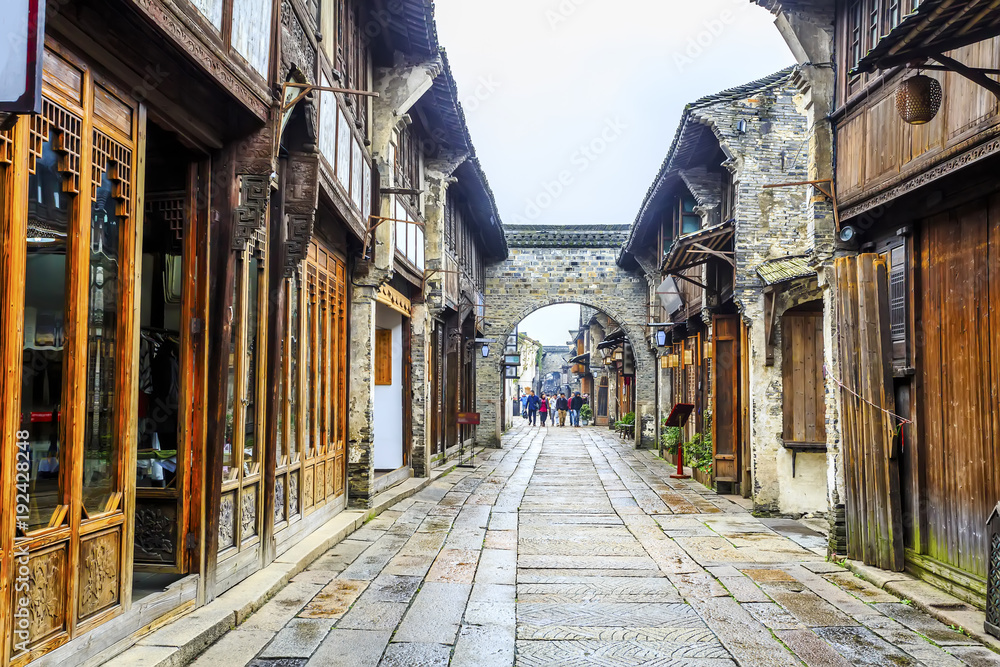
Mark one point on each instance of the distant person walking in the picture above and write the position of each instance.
(533, 404)
(575, 405)
(562, 405)
(524, 405)
(543, 409)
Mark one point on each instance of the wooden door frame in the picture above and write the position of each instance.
(120, 517)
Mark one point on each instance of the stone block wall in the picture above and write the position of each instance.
(534, 277)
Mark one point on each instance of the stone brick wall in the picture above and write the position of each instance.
(773, 223)
(534, 277)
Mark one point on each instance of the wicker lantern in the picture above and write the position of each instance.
(918, 99)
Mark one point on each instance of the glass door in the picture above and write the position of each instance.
(241, 501)
(75, 248)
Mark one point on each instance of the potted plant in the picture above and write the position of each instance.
(586, 414)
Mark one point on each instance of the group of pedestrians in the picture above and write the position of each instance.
(548, 408)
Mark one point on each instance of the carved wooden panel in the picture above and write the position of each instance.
(293, 494)
(6, 147)
(307, 488)
(296, 49)
(320, 478)
(248, 512)
(279, 498)
(227, 520)
(99, 585)
(115, 159)
(67, 141)
(47, 593)
(155, 531)
(251, 213)
(330, 466)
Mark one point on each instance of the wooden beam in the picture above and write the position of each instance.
(970, 74)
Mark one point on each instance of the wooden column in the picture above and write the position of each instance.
(13, 249)
(222, 277)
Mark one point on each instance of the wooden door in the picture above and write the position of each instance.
(72, 216)
(324, 430)
(169, 416)
(803, 384)
(958, 394)
(726, 396)
(871, 456)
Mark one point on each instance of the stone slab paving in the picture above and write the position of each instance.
(567, 547)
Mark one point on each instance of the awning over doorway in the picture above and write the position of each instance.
(784, 269)
(694, 249)
(581, 359)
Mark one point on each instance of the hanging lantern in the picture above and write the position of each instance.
(918, 99)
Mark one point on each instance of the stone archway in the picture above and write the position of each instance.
(551, 265)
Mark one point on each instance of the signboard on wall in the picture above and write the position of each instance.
(468, 418)
(21, 56)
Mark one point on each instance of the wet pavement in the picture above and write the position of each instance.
(568, 547)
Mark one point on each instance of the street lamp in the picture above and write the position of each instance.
(661, 338)
(486, 350)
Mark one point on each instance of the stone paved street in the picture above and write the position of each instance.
(569, 548)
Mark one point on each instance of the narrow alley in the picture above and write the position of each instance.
(569, 547)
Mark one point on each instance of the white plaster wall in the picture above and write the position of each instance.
(388, 418)
(806, 492)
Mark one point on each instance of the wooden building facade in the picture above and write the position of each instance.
(923, 200)
(196, 264)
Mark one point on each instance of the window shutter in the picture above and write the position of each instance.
(383, 357)
(802, 378)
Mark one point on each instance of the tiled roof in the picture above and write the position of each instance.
(782, 270)
(689, 133)
(566, 236)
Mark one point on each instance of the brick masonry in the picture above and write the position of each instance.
(582, 269)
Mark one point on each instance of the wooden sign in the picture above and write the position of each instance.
(468, 418)
(680, 414)
(21, 56)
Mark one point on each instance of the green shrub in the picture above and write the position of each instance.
(698, 452)
(671, 438)
(627, 420)
(586, 412)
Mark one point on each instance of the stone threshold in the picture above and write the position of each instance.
(933, 601)
(181, 641)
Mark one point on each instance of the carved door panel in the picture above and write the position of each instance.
(72, 234)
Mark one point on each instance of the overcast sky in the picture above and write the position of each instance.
(573, 104)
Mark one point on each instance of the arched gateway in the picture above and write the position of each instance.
(553, 264)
